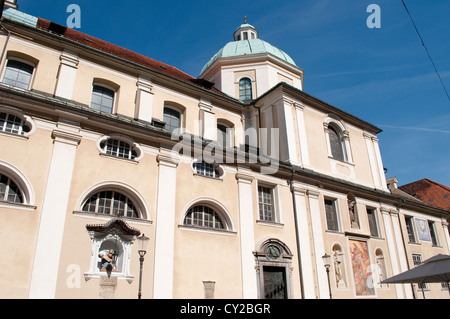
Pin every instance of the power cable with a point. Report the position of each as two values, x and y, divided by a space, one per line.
428 53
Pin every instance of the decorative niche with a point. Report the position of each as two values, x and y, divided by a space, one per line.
116 239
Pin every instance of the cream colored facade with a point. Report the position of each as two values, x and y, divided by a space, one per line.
51 243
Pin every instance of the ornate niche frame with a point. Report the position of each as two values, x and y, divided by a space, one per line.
273 255
116 235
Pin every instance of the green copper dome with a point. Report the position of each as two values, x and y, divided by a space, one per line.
247 47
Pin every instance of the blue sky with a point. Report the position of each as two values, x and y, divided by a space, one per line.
381 75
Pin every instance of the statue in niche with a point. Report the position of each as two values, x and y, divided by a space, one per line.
354 222
108 261
340 283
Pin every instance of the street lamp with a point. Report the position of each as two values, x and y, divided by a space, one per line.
142 243
327 263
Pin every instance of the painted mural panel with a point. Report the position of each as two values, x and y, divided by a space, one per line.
362 272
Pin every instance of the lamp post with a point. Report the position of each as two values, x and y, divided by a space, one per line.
142 242
326 262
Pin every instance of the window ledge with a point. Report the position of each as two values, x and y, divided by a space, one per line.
209 177
88 276
131 161
341 161
208 230
14 135
269 223
18 206
107 217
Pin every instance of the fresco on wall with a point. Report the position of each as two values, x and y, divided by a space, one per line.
362 273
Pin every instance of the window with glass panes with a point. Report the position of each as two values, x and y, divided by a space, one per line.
203 216
18 74
206 169
9 191
118 148
336 144
410 229
265 202
434 239
11 123
331 214
111 203
371 215
172 118
245 89
102 99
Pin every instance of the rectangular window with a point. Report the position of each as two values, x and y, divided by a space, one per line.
371 215
434 239
410 229
331 214
266 204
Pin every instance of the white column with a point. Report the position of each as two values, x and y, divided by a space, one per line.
247 236
66 75
304 153
305 243
385 212
165 226
372 160
319 246
144 99
54 209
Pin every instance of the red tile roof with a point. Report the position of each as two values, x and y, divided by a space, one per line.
429 192
123 53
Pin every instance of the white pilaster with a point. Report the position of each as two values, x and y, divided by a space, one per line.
144 99
305 243
54 209
208 128
400 249
319 246
392 247
287 132
446 234
165 226
247 236
380 165
372 160
66 75
304 153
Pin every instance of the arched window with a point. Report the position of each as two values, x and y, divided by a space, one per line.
245 89
118 148
172 118
206 169
203 216
336 144
102 98
11 123
18 74
10 191
111 202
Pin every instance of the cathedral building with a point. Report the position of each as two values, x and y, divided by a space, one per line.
241 184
